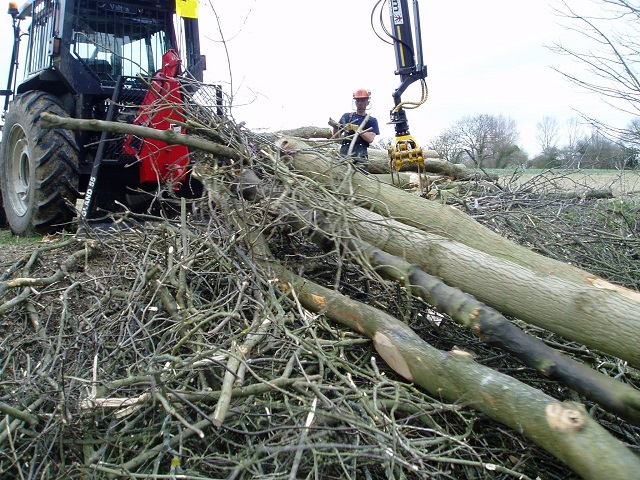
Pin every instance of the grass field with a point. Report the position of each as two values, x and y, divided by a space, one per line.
6 238
621 182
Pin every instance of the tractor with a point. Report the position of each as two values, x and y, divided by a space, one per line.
132 61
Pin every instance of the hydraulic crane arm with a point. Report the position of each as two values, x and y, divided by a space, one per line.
408 51
410 68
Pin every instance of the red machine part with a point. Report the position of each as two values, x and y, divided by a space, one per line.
161 109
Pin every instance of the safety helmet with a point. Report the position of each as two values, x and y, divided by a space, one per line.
362 93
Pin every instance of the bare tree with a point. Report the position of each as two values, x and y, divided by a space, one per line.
611 67
574 130
598 151
574 134
447 146
488 140
631 137
547 133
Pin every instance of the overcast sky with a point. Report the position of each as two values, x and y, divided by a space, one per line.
301 64
296 63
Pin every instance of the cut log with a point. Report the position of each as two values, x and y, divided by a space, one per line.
379 163
613 395
512 279
169 136
564 429
306 132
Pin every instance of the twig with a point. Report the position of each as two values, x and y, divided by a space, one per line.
235 357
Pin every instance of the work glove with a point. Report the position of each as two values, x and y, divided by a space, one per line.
350 128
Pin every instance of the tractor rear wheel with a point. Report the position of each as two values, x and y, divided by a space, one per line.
38 167
3 216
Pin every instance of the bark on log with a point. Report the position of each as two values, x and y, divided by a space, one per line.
306 132
506 276
591 193
379 159
169 136
564 429
379 163
555 304
491 327
614 396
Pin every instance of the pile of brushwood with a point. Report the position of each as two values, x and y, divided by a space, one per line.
305 320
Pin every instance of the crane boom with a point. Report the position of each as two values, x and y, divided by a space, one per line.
408 52
410 67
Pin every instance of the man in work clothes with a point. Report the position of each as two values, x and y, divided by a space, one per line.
350 123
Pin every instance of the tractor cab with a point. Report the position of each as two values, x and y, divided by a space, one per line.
90 43
132 61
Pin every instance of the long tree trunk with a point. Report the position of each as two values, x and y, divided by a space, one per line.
564 429
489 325
506 276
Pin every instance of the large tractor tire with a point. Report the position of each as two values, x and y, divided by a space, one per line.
38 168
3 216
